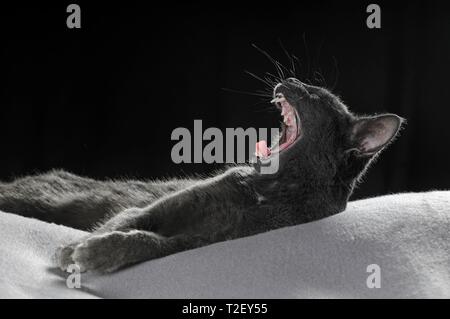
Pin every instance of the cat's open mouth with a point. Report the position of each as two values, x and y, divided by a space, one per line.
290 129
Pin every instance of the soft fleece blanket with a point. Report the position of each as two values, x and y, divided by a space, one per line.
406 235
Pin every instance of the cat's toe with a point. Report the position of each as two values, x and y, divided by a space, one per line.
63 256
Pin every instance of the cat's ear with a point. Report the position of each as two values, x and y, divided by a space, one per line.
371 134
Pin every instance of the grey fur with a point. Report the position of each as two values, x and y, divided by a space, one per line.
133 221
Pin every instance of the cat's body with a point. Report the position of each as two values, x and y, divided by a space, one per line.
137 221
79 202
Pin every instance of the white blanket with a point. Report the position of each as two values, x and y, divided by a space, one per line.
406 235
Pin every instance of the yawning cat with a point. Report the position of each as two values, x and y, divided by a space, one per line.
322 151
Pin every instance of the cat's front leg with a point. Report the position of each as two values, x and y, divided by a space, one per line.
109 234
111 251
210 210
119 224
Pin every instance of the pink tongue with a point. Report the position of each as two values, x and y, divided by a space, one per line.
261 149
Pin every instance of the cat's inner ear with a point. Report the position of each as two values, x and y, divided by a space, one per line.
370 134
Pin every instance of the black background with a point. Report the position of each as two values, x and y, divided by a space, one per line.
103 100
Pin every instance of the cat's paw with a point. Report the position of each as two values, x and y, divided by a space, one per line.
63 256
100 253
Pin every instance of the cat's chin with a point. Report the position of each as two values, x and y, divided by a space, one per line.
290 129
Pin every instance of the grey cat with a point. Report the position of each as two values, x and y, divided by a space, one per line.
322 152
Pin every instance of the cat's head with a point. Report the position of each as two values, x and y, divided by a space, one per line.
322 142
